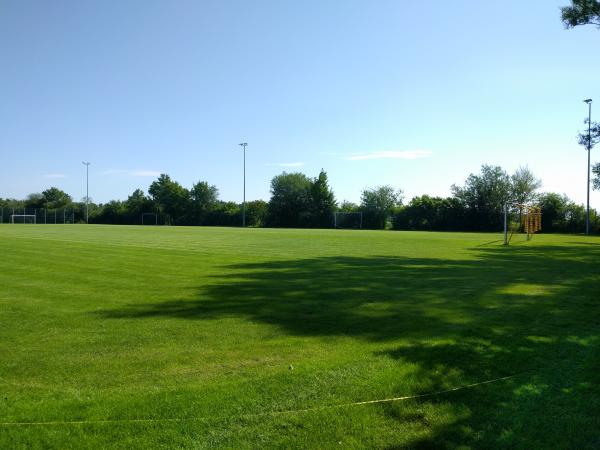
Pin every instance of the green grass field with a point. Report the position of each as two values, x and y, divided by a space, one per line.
132 337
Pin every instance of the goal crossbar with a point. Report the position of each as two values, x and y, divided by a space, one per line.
155 215
12 217
341 214
530 219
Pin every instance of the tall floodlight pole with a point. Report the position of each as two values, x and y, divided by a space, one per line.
589 149
244 145
87 190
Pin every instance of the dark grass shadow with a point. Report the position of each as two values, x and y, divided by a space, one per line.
374 297
507 310
490 243
384 297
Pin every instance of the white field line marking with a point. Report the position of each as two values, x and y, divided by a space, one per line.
269 413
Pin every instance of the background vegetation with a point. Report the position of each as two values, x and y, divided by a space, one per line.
298 201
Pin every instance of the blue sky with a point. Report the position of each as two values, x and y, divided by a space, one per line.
412 94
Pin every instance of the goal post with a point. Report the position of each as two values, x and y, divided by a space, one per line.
343 219
38 216
149 219
26 218
528 221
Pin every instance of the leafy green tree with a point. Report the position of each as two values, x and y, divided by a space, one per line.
79 211
256 213
524 185
348 206
55 198
204 198
581 12
227 214
322 201
172 199
290 201
430 213
591 137
484 196
137 204
553 208
421 213
377 205
574 218
35 200
114 212
596 172
562 215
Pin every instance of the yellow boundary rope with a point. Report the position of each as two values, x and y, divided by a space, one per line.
290 411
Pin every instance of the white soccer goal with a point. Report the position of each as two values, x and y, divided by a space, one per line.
149 219
347 219
521 218
26 218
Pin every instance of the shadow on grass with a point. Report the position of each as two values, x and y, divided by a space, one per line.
504 311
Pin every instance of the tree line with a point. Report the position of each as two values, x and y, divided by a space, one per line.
299 201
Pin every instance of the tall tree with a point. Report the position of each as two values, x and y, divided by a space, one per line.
171 197
322 200
484 196
137 204
378 204
256 213
348 206
55 198
591 137
113 212
524 185
289 205
204 198
554 208
35 200
581 12
430 213
596 172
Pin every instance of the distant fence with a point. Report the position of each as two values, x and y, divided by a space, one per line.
37 215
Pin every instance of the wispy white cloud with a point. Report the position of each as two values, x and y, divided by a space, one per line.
113 172
132 173
55 175
390 154
290 164
145 173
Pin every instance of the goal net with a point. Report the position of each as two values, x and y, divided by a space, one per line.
521 219
149 219
23 218
347 220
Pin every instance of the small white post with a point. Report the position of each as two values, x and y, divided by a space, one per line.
505 224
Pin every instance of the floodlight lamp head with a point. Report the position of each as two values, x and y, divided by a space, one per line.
588 101
243 144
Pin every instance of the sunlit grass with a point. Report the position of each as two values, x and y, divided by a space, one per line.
234 333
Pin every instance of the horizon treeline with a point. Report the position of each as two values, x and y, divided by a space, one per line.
299 201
